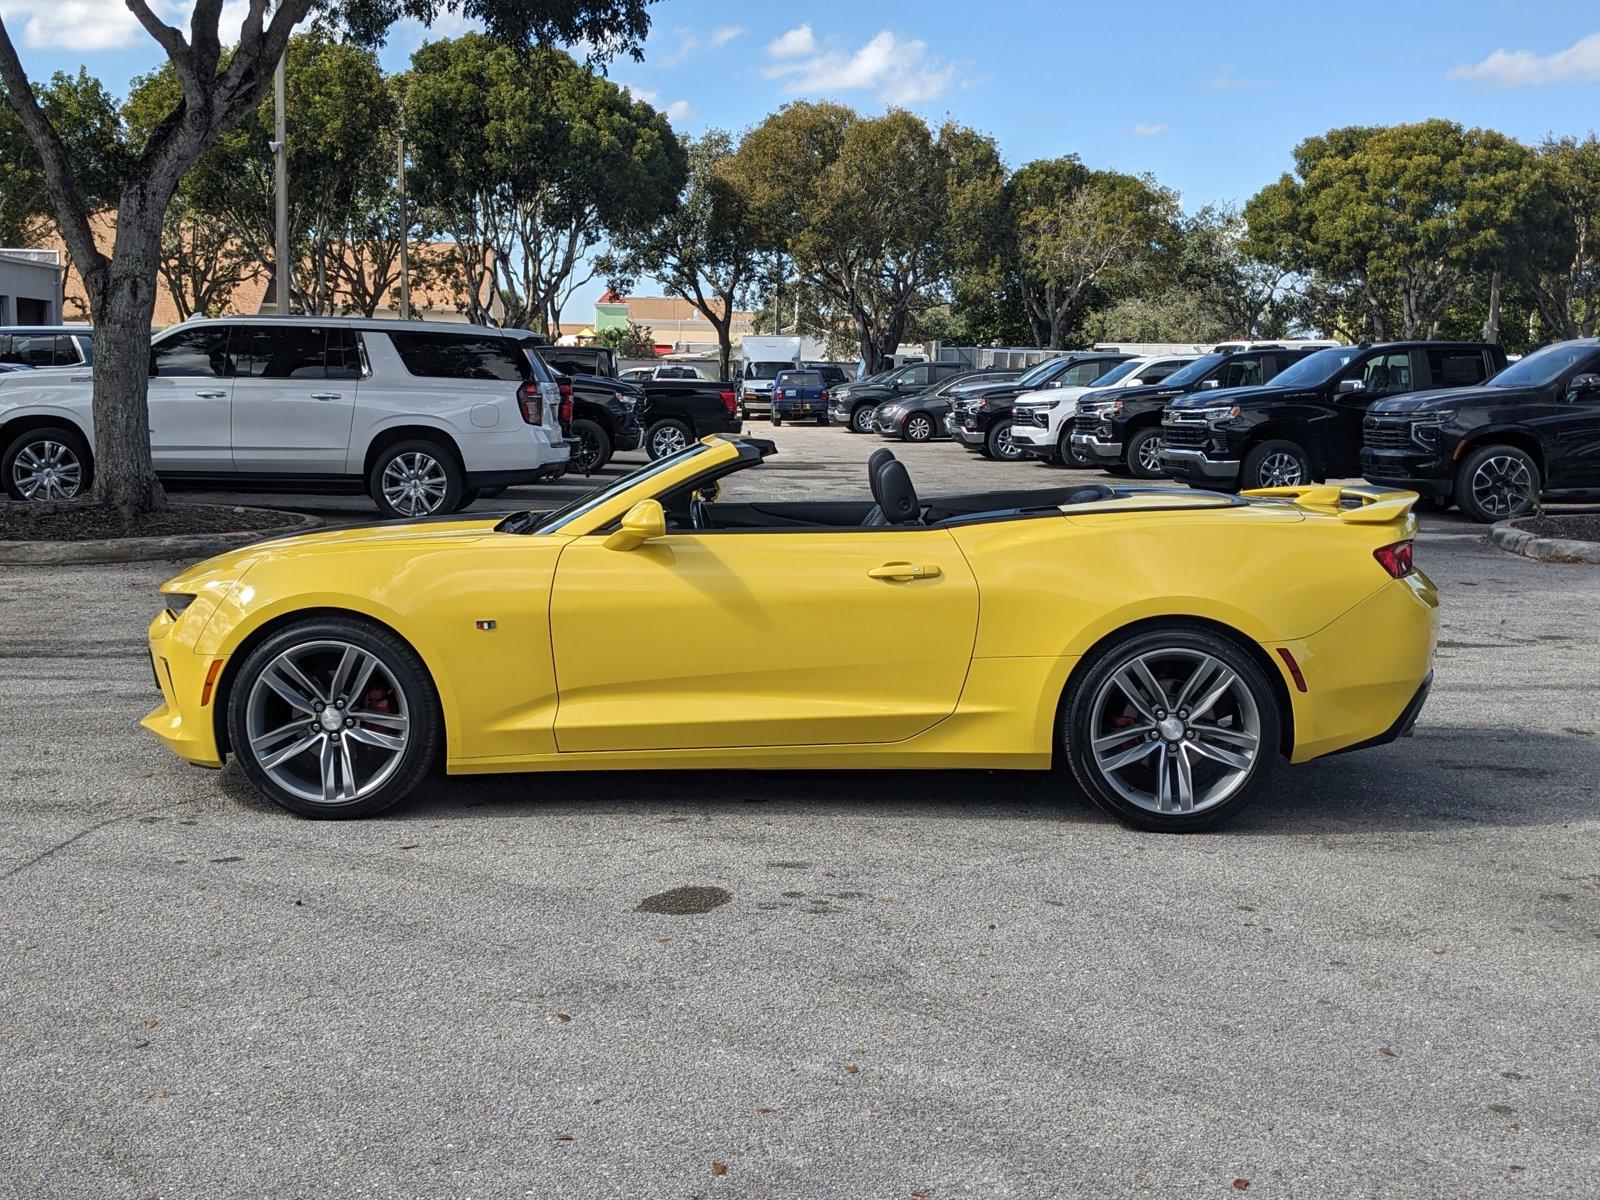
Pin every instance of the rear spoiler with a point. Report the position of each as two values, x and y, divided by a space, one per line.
1353 504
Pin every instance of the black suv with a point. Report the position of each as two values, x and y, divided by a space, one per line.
1121 430
1495 448
1306 424
981 421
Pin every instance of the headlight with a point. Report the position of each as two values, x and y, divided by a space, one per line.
175 602
1427 432
1217 416
1118 405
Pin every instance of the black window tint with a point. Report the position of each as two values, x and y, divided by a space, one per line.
461 356
284 352
1456 368
803 379
34 350
916 376
200 353
1239 372
1086 373
1156 372
1387 374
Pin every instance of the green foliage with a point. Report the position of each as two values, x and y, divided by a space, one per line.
629 341
91 125
529 161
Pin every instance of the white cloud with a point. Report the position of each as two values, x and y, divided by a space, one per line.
1226 81
797 42
90 25
1144 130
897 70
723 34
679 112
1578 63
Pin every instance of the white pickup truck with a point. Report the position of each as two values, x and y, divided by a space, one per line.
1041 422
419 416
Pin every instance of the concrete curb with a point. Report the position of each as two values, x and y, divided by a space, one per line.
143 549
1530 545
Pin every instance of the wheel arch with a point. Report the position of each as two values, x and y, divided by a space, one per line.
1256 651
390 435
237 654
1522 439
14 427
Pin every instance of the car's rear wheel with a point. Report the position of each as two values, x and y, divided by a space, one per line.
776 419
1275 463
667 436
1496 483
1000 445
861 418
334 717
1171 729
48 463
592 446
416 479
1144 454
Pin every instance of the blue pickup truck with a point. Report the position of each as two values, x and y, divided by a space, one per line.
797 394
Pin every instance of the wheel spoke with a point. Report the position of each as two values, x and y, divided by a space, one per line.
349 783
338 689
1197 680
1206 746
1115 762
278 757
1219 688
1121 735
373 736
1183 778
291 684
329 765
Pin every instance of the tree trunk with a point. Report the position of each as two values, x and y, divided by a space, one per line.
1491 323
123 297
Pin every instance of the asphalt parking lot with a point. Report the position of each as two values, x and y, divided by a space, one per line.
1380 981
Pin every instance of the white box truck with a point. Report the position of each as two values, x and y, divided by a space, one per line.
764 356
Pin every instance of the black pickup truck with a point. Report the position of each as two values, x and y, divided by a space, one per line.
1306 424
981 421
1497 448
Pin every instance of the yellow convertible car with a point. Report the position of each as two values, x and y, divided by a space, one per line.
1170 647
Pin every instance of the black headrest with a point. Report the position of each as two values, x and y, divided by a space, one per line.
891 488
879 457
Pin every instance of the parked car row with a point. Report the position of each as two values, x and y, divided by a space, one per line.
1454 421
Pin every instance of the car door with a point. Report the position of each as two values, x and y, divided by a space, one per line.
1573 432
191 384
1382 373
293 398
701 640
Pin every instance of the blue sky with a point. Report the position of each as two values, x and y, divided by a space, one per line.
1211 99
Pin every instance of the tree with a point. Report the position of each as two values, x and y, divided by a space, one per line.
1563 275
1398 218
630 341
218 91
1235 294
202 261
87 113
1080 232
707 251
870 210
530 162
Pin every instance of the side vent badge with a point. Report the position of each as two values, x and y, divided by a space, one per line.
484 625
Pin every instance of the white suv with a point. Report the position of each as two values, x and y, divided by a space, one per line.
420 416
1041 422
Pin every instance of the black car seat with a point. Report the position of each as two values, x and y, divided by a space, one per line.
897 499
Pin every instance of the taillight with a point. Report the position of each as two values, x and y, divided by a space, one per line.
1395 559
824 393
729 400
531 403
565 410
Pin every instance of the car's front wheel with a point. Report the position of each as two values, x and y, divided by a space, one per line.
1276 463
334 717
861 418
48 463
416 479
1144 454
1000 445
918 428
1172 728
1069 454
1496 483
667 436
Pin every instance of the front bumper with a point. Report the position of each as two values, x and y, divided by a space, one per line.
1426 474
1095 450
1193 466
970 436
756 402
182 723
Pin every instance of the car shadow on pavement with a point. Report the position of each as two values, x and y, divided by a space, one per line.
1449 777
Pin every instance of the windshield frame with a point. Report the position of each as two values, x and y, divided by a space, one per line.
1286 377
1046 369
554 522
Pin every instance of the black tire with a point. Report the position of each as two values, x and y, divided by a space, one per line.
1271 463
470 496
1138 450
435 463
822 421
1093 695
421 731
998 444
1066 456
918 428
1497 483
593 446
776 419
667 436
861 418
56 464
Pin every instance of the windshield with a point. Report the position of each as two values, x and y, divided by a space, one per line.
1040 372
1316 368
1194 372
550 522
766 370
1122 371
1543 366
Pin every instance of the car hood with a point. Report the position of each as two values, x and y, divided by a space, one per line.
1241 396
1446 399
1147 391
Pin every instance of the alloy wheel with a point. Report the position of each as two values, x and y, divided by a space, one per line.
415 484
669 439
1005 447
327 722
47 470
1175 731
1501 485
1281 470
1150 456
862 418
588 453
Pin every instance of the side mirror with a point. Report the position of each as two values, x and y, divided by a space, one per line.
1586 384
1346 386
1209 385
644 521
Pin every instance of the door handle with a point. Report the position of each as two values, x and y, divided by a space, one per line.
904 570
212 395
327 395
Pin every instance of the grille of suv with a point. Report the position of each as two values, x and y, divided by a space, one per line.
1086 422
1186 439
1032 416
1387 435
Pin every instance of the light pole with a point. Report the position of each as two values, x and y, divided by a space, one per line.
280 176
405 229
